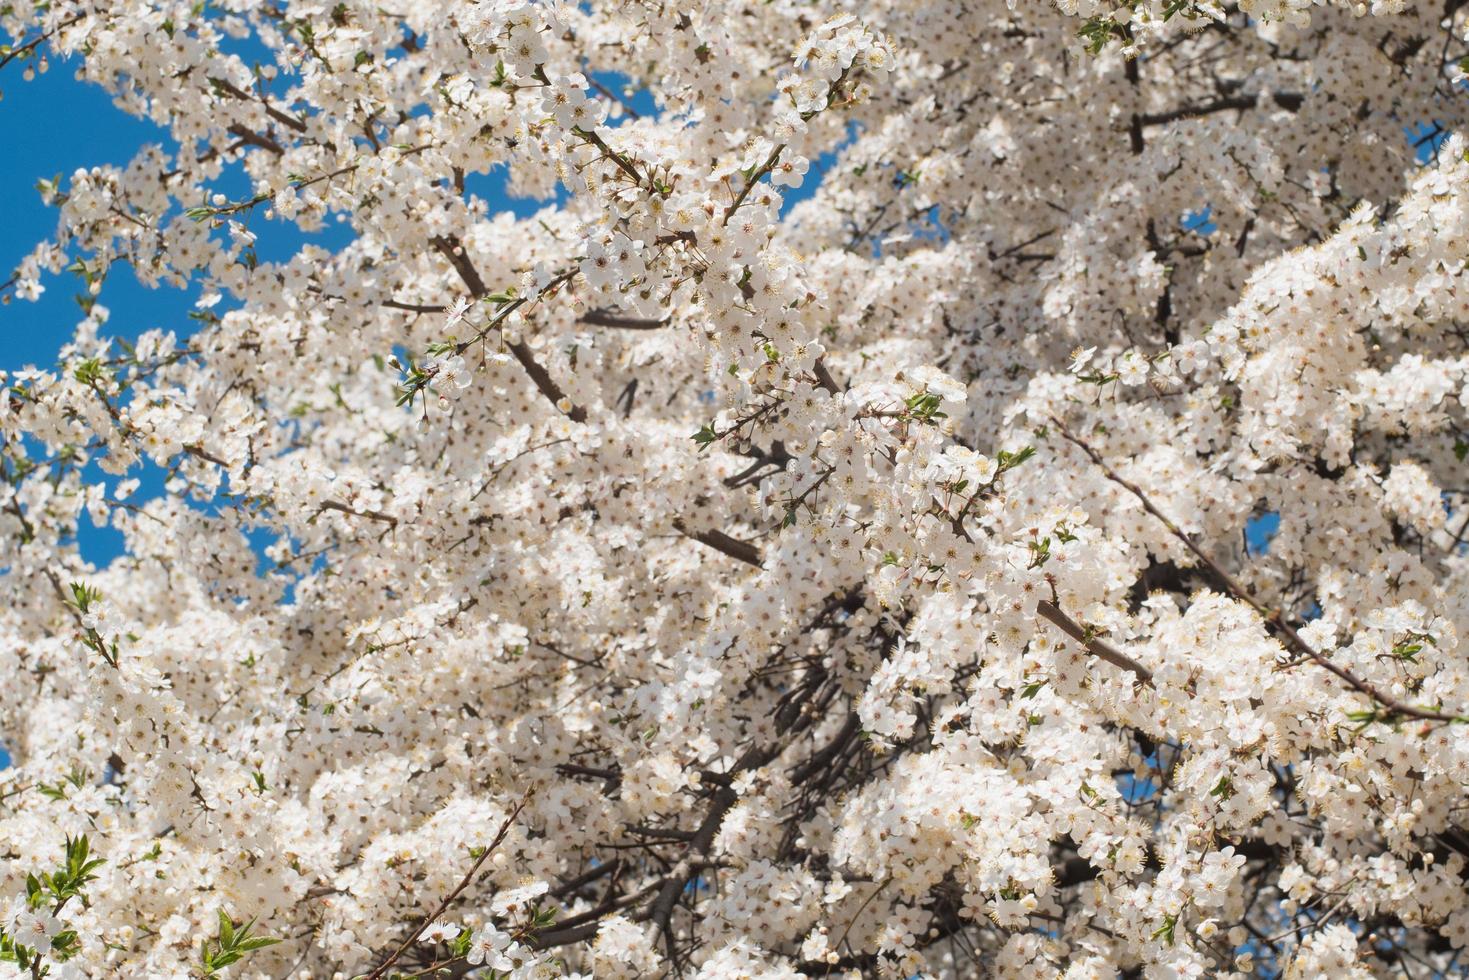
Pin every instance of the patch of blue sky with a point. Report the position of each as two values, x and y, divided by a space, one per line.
1259 530
1426 139
1136 791
1200 221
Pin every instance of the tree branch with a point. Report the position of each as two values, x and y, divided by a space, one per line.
1273 617
1095 646
605 318
450 898
721 542
453 250
248 135
372 515
1285 100
285 119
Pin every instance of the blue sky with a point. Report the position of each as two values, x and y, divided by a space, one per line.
59 124
56 124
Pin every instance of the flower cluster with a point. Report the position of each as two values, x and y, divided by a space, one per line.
936 488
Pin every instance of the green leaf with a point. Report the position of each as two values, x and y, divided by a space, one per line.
256 942
1362 718
1098 32
231 944
705 437
1008 461
83 595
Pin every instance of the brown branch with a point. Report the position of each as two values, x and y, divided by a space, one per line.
777 458
622 162
671 834
613 777
818 761
604 318
661 912
580 928
27 529
544 381
626 106
283 118
739 550
453 250
1273 618
393 304
450 898
572 885
576 929
1098 648
372 515
248 135
824 378
252 202
25 48
792 712
200 453
1285 100
1135 121
754 179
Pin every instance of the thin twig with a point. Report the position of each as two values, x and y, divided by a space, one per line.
453 250
372 515
626 106
28 46
452 896
1273 617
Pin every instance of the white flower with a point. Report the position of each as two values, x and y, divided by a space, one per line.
789 172
930 379
451 373
600 265
696 562
457 311
31 927
517 900
486 946
1132 369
